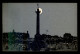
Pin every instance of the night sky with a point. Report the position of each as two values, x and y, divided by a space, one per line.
57 18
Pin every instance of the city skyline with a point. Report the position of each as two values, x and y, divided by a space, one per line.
57 18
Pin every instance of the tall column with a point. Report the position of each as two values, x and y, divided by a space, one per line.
38 22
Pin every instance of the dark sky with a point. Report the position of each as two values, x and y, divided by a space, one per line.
57 18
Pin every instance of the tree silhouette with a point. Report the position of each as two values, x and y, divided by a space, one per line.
68 37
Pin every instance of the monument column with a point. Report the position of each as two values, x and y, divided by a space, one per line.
38 21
